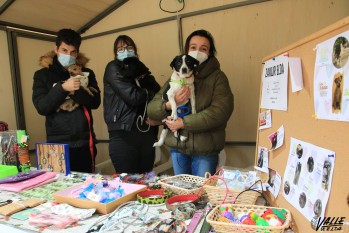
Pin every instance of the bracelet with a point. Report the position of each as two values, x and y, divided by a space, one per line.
184 212
158 196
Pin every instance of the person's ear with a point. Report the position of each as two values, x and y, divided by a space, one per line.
55 50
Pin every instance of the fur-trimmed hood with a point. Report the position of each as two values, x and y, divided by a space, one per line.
47 59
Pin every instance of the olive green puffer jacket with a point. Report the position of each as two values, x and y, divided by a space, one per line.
214 106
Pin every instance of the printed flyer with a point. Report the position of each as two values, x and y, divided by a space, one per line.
331 75
308 178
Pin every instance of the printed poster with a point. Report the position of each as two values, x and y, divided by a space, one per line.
308 178
331 79
274 83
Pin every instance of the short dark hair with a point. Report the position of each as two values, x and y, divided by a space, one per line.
69 37
202 33
128 40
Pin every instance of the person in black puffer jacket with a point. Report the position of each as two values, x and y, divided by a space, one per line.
128 87
52 87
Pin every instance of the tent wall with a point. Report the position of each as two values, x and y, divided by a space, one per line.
244 32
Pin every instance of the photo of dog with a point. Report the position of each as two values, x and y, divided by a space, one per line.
183 67
260 158
287 187
297 173
299 151
318 207
302 200
326 174
337 90
340 52
76 72
310 164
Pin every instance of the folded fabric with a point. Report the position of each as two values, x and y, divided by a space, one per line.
30 183
15 207
21 176
68 210
47 218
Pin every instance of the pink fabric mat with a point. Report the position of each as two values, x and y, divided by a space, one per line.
45 178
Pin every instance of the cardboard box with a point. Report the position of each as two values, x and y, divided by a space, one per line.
67 196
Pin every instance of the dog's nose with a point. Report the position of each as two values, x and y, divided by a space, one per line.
184 70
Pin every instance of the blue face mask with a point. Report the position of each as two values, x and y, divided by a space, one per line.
66 60
122 55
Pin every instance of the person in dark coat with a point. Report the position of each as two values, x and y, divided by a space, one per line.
128 87
53 87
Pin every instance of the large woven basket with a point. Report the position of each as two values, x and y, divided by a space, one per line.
218 195
223 227
185 178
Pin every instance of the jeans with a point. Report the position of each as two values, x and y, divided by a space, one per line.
196 165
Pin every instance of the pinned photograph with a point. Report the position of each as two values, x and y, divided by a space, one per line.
265 119
277 138
274 182
262 160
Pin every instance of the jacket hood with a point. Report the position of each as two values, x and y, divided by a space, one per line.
47 59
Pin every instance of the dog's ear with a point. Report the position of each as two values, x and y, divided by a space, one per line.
192 61
173 63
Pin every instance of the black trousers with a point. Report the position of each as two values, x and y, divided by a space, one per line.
81 160
133 151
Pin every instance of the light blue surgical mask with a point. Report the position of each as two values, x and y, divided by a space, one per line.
66 60
126 53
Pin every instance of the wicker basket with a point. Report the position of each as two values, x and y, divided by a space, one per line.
185 178
223 227
216 195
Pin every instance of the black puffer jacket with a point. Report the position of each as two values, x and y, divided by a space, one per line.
48 94
123 98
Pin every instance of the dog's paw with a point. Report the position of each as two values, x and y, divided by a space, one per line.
156 144
183 138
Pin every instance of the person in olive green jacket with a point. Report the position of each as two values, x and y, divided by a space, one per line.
214 105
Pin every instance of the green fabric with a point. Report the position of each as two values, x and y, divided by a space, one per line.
214 106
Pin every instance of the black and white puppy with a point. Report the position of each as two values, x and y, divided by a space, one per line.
183 66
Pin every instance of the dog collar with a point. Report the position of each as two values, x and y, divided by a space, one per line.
180 81
158 196
178 200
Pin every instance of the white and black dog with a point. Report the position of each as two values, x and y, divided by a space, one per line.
183 66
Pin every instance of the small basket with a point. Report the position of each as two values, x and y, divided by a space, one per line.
223 227
216 195
186 178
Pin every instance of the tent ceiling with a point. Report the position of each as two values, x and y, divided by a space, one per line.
49 16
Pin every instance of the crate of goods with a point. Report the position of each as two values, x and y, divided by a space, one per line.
264 219
183 184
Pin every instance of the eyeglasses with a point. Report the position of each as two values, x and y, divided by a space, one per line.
128 48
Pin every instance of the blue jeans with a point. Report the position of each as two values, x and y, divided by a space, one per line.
196 165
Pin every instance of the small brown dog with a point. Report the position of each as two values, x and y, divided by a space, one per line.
76 72
337 94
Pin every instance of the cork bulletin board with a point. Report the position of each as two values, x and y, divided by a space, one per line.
301 122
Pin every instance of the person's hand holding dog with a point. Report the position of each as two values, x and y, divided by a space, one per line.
71 85
174 125
181 96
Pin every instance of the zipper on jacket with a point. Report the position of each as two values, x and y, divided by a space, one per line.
114 118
